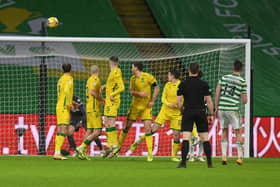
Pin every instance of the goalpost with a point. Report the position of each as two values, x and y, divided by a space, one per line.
30 68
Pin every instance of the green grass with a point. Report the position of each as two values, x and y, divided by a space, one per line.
43 171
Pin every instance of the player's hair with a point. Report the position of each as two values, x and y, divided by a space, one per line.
194 67
237 66
66 68
175 73
138 65
94 69
114 59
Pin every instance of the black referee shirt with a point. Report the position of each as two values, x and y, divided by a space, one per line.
193 89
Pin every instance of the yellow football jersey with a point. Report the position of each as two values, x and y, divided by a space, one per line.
142 83
92 105
65 87
169 95
114 85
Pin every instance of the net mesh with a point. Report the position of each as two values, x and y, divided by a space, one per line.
20 82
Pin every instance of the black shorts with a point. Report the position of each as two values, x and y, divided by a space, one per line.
194 116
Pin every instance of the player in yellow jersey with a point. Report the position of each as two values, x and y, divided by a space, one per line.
93 111
169 112
64 104
114 86
141 84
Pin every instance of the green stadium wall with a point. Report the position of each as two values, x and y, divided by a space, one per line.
229 19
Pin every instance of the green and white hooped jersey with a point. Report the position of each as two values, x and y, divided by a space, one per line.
232 86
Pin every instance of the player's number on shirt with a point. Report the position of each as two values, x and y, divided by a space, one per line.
229 90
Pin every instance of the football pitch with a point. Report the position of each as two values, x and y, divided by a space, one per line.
43 171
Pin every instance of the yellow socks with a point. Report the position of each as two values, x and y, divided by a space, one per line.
115 136
59 140
149 143
109 137
112 137
175 148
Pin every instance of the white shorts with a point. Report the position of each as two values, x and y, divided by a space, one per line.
229 118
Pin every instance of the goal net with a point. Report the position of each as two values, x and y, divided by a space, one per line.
31 66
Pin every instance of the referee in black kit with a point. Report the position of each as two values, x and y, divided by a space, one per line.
196 93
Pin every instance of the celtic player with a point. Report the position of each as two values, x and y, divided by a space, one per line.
114 86
229 90
93 111
63 106
141 84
